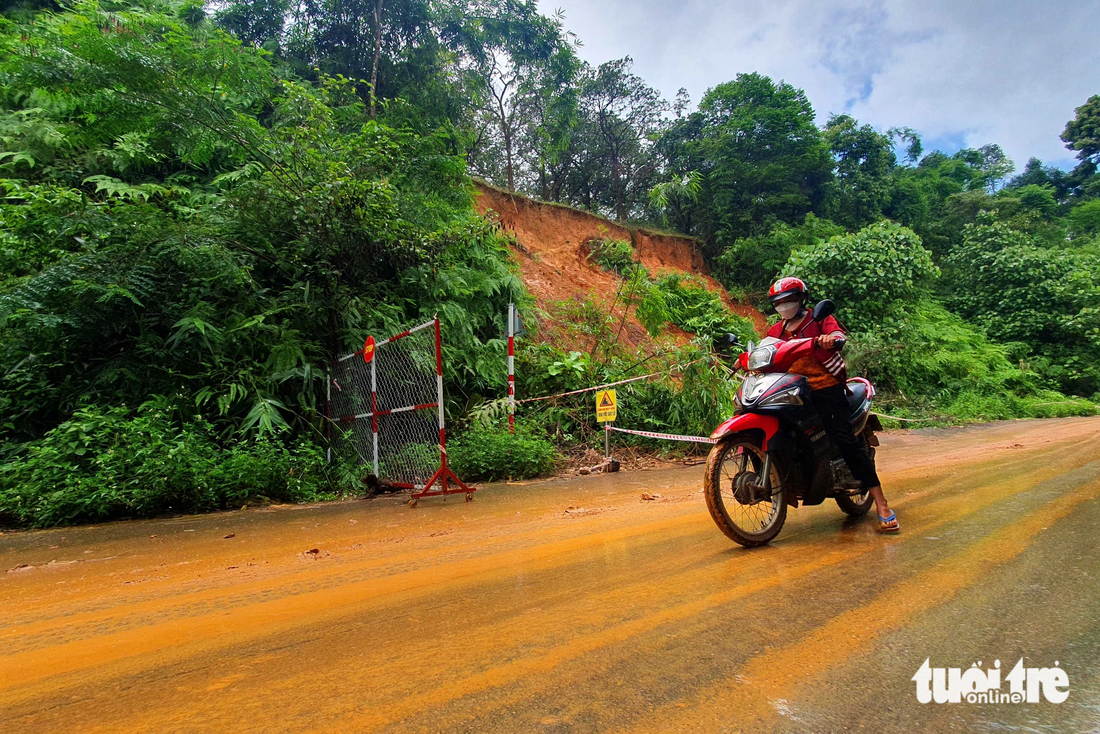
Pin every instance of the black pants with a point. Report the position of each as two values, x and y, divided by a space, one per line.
832 405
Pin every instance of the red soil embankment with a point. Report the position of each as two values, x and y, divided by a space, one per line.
554 264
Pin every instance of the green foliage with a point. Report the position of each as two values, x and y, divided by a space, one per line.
692 400
920 348
1048 300
1082 133
694 308
1037 199
928 361
1084 219
104 464
761 157
860 188
236 233
212 208
492 453
754 263
573 363
868 273
610 254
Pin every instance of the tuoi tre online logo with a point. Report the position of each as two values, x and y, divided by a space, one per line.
974 685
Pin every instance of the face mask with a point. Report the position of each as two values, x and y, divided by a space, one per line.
788 310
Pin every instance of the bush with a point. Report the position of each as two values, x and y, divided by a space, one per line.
926 350
115 463
867 273
492 453
612 255
752 263
927 360
1046 299
693 308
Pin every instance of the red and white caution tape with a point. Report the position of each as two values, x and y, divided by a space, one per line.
665 436
607 385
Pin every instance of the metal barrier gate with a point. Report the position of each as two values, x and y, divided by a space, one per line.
386 400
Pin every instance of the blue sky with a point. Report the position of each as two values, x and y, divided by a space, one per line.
959 72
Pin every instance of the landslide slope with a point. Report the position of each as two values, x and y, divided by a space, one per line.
551 243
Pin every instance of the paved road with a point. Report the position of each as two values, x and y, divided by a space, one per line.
574 605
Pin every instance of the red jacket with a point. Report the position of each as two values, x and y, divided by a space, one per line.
830 359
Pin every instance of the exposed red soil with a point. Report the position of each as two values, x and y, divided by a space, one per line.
553 259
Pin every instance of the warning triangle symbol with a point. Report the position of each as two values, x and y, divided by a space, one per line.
606 402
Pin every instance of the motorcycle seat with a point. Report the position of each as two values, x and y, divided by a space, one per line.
857 394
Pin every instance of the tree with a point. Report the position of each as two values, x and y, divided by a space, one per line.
762 159
753 263
1084 219
1035 173
1082 133
518 59
212 234
942 193
865 158
625 114
259 23
392 49
549 115
988 165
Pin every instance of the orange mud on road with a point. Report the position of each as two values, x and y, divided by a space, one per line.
573 605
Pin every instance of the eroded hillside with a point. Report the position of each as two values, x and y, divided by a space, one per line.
552 251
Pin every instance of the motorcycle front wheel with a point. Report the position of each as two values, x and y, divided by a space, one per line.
744 512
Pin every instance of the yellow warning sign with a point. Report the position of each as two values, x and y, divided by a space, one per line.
606 405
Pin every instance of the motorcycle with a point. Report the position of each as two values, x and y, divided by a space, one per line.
774 452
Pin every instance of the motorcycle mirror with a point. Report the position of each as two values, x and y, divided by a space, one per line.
823 309
733 340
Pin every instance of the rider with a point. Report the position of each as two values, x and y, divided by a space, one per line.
827 375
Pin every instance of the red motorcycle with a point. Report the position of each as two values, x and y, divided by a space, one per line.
774 451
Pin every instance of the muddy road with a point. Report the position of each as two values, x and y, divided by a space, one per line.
574 605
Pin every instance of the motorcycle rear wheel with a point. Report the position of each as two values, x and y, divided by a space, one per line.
743 515
857 505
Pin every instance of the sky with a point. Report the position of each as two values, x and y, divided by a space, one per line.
962 73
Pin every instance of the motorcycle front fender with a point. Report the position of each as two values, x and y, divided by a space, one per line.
767 424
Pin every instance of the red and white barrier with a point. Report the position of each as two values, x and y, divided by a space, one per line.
609 384
663 436
398 385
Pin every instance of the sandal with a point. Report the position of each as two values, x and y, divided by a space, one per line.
888 524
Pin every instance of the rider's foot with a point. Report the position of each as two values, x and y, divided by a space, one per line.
888 523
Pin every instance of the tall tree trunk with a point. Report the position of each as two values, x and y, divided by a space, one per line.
620 193
508 157
377 53
506 130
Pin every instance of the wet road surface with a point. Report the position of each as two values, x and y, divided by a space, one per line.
574 606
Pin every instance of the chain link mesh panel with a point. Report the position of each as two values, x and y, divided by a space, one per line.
408 447
405 370
396 425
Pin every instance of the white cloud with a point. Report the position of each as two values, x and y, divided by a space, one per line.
968 71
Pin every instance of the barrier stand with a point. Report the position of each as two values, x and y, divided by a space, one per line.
511 368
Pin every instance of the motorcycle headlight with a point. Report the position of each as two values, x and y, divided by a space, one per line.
761 357
752 388
786 397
